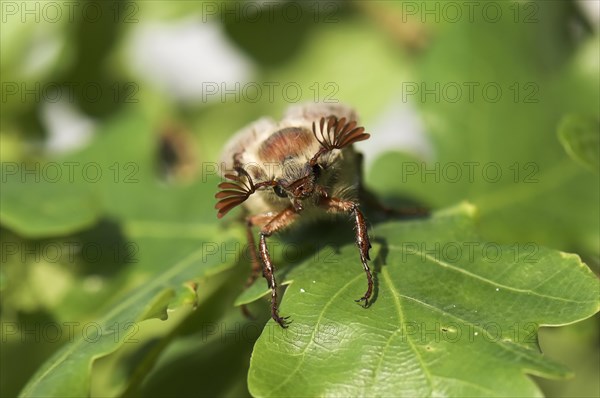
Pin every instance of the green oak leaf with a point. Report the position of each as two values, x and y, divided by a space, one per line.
453 315
68 372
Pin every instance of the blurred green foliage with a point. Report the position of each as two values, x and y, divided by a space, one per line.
90 261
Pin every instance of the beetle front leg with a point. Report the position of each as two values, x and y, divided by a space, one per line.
363 243
362 237
280 221
251 221
269 274
259 220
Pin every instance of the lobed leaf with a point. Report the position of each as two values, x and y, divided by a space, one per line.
443 313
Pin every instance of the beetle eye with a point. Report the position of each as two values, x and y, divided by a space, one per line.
316 169
279 191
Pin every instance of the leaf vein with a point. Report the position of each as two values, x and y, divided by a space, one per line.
395 296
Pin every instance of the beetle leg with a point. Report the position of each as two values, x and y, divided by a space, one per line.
277 223
362 237
251 221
